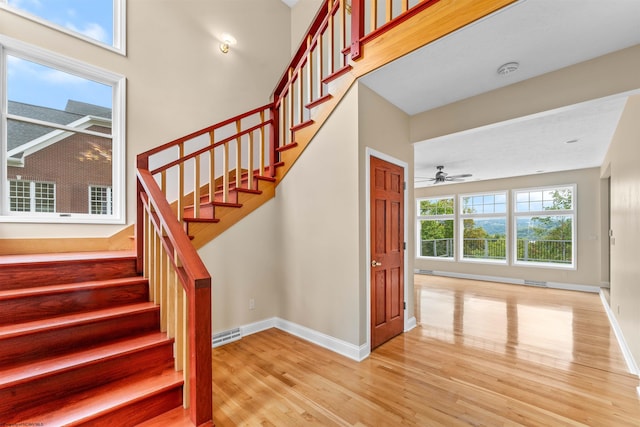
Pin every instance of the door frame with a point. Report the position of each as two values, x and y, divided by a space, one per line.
370 152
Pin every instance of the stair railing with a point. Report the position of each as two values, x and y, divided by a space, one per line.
202 167
205 166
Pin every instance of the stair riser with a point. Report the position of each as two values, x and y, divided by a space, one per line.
136 412
37 307
42 390
37 274
23 348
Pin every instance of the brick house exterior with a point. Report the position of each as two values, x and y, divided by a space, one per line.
72 162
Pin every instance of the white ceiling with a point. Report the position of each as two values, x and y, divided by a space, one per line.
542 36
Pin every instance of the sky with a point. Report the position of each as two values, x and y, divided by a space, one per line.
36 84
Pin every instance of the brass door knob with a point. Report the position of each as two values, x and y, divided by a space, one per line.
375 263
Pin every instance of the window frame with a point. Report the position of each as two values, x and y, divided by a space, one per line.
443 217
462 216
119 26
28 52
573 213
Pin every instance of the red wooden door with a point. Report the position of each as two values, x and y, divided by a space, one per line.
387 251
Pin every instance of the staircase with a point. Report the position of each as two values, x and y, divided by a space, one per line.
80 343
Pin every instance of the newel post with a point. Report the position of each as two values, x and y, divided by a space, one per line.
201 374
357 27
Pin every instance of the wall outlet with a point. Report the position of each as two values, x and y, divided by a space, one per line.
252 303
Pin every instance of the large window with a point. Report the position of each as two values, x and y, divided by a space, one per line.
98 21
483 219
436 218
64 124
544 220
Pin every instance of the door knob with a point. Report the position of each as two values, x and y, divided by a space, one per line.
375 263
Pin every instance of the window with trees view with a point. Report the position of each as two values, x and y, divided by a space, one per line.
483 220
544 226
436 218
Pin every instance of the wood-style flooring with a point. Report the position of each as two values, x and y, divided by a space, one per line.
483 354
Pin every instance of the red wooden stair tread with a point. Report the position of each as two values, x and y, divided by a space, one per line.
58 289
83 407
46 367
74 319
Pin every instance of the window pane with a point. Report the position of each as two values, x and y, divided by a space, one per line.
484 238
30 85
62 163
20 197
436 238
93 19
547 239
538 200
432 207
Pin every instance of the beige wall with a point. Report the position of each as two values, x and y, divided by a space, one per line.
622 163
301 15
588 231
245 263
318 207
178 81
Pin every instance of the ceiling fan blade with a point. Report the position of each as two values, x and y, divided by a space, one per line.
464 175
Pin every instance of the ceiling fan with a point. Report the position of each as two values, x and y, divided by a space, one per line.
442 176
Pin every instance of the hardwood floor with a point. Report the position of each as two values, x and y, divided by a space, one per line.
483 354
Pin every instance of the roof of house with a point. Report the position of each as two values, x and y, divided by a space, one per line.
20 133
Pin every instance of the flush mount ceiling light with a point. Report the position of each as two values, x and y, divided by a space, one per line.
225 44
508 68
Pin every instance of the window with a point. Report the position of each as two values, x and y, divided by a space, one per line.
436 218
100 200
544 221
31 196
98 21
64 124
483 219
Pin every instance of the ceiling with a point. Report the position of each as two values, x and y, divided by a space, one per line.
542 36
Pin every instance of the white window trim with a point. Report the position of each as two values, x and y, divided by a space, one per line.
436 218
119 26
9 46
574 235
462 216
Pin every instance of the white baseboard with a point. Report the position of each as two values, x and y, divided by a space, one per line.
512 281
626 352
344 348
411 323
357 353
352 351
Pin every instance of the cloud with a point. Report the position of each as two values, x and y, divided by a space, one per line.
18 67
25 4
91 30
